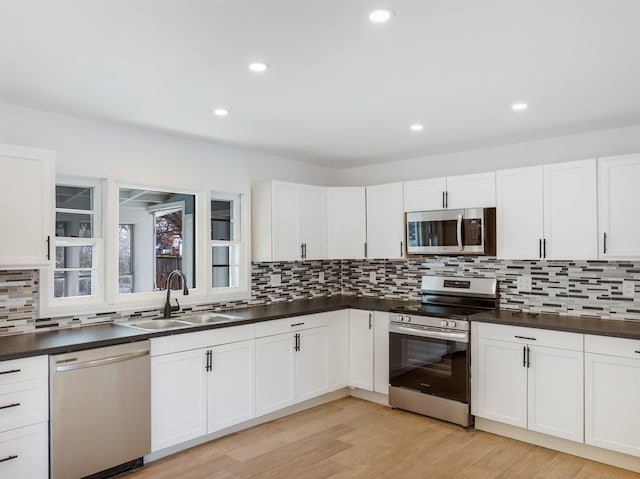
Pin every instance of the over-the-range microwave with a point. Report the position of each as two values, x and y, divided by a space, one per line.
455 232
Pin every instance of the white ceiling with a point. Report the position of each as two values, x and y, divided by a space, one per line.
341 91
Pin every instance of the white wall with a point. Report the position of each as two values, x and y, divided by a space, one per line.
582 146
93 148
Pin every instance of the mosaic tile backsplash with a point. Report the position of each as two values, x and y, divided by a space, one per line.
577 288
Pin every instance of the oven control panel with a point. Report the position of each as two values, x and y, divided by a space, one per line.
428 321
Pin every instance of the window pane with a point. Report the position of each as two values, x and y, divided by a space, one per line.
74 197
74 225
72 283
74 256
225 269
164 239
222 220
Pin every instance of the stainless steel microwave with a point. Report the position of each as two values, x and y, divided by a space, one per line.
467 231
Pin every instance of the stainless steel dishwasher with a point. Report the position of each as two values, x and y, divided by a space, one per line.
100 410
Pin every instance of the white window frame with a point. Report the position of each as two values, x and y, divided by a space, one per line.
50 306
241 235
106 220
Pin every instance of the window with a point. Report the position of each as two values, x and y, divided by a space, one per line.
226 242
75 272
156 234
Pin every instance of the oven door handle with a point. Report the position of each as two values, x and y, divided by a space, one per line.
462 337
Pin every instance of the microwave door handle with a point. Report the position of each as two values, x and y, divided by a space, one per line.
459 235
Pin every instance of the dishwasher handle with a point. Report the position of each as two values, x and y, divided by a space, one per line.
102 361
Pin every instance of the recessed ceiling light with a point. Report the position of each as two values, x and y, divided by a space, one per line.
258 67
220 112
519 106
416 127
380 16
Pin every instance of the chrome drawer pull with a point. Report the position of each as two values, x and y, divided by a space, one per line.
9 458
525 337
11 371
297 324
15 404
637 352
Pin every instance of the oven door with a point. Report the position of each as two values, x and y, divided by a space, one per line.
431 361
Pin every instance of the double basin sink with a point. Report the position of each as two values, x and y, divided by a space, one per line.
183 322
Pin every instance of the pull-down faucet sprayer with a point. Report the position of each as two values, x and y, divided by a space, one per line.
168 309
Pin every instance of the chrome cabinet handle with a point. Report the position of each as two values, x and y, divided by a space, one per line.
15 404
605 243
11 371
297 324
401 249
443 206
370 318
525 337
8 458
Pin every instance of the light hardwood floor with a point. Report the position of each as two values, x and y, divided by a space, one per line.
352 438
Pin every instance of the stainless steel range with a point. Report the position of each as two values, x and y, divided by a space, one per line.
429 347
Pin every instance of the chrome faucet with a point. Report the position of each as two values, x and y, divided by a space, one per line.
168 309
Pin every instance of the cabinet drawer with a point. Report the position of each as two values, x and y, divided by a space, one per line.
201 339
24 452
621 347
23 403
295 323
23 369
540 337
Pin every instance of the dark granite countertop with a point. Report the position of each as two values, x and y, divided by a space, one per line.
573 324
86 337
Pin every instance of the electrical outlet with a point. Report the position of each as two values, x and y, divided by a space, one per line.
276 280
372 277
321 276
628 289
523 283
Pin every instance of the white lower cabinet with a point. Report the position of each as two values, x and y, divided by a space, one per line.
369 350
24 412
292 366
529 378
339 349
201 390
612 393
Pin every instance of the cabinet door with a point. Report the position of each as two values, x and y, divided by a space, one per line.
312 363
27 186
361 349
612 389
274 373
425 195
555 392
570 210
346 211
231 385
24 452
339 349
618 200
499 381
471 191
312 217
286 230
385 221
178 398
519 212
381 352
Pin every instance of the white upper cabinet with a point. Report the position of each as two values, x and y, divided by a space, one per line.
425 195
618 200
548 212
385 221
288 221
463 191
27 185
347 229
471 191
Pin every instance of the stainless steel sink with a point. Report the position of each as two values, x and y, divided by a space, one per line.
208 318
157 324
